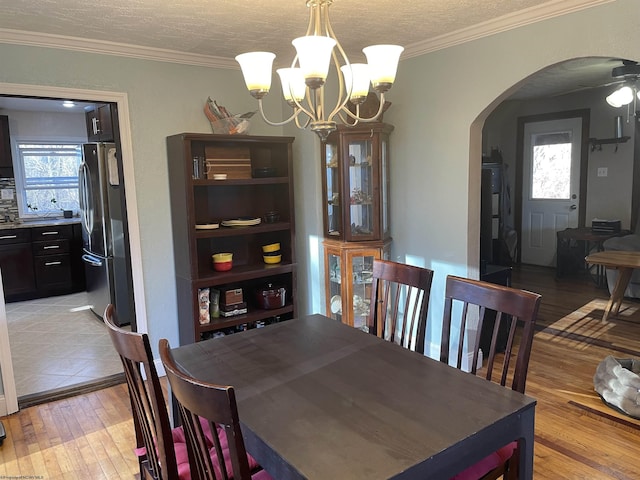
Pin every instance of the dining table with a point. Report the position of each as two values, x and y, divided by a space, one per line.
318 399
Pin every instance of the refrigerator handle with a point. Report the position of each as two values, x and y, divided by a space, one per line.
86 215
91 260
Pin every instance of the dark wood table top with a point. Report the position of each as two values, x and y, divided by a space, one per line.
320 400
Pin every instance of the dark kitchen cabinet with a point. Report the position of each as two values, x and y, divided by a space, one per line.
52 261
41 261
101 122
16 264
6 161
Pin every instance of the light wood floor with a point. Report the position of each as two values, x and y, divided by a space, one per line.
577 436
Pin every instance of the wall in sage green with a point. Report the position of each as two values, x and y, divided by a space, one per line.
164 99
440 101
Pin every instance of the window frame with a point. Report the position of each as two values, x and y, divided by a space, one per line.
18 171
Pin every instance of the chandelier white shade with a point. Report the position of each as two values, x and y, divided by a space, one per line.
303 84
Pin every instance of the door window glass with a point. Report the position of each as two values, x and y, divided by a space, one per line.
551 166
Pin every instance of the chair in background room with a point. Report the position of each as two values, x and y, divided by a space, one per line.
518 308
201 403
399 303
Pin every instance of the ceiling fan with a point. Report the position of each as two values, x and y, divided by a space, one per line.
628 75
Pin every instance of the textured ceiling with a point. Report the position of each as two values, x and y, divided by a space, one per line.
225 28
221 29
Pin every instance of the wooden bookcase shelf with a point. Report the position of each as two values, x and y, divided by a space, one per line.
204 201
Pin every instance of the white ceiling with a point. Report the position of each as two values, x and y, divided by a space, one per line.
216 30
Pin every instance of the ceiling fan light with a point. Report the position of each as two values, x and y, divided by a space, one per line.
383 65
314 55
293 86
622 96
256 69
356 80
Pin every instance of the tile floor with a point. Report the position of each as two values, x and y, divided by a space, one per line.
55 343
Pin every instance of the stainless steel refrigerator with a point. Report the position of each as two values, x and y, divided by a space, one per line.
105 252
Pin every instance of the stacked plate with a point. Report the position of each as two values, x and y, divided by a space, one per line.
241 222
207 226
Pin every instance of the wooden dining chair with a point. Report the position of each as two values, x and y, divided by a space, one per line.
519 309
201 403
399 303
154 439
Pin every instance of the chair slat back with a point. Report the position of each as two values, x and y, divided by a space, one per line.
514 306
150 416
200 401
399 303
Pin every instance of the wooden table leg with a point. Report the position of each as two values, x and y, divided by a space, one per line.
624 275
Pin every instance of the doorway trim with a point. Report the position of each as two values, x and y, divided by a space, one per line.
585 115
121 99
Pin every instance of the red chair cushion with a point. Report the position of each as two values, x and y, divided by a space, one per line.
182 456
484 466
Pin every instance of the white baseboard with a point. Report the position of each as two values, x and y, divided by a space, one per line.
3 406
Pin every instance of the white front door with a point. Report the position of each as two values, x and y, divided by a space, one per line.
550 186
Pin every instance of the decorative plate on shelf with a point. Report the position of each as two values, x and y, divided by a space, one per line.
241 222
336 304
207 226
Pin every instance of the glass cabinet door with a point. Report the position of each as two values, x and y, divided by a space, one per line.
362 274
334 292
361 214
333 215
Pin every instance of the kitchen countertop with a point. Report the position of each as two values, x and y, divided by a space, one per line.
41 222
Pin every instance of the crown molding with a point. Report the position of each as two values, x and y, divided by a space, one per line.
35 39
551 9
554 8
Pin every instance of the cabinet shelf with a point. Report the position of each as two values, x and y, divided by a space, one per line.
206 182
253 315
239 231
596 143
241 273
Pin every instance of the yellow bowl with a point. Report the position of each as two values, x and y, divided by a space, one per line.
272 258
272 247
222 257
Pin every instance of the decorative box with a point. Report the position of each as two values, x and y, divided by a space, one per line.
230 297
234 162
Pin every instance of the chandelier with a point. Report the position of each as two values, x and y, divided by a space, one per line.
303 83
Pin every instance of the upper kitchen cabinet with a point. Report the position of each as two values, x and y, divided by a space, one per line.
6 161
101 120
355 183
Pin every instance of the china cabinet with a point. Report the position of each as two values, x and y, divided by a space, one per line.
355 183
254 196
348 278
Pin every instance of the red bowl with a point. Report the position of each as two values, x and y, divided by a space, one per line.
222 266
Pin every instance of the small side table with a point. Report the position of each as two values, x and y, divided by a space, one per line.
574 244
625 262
